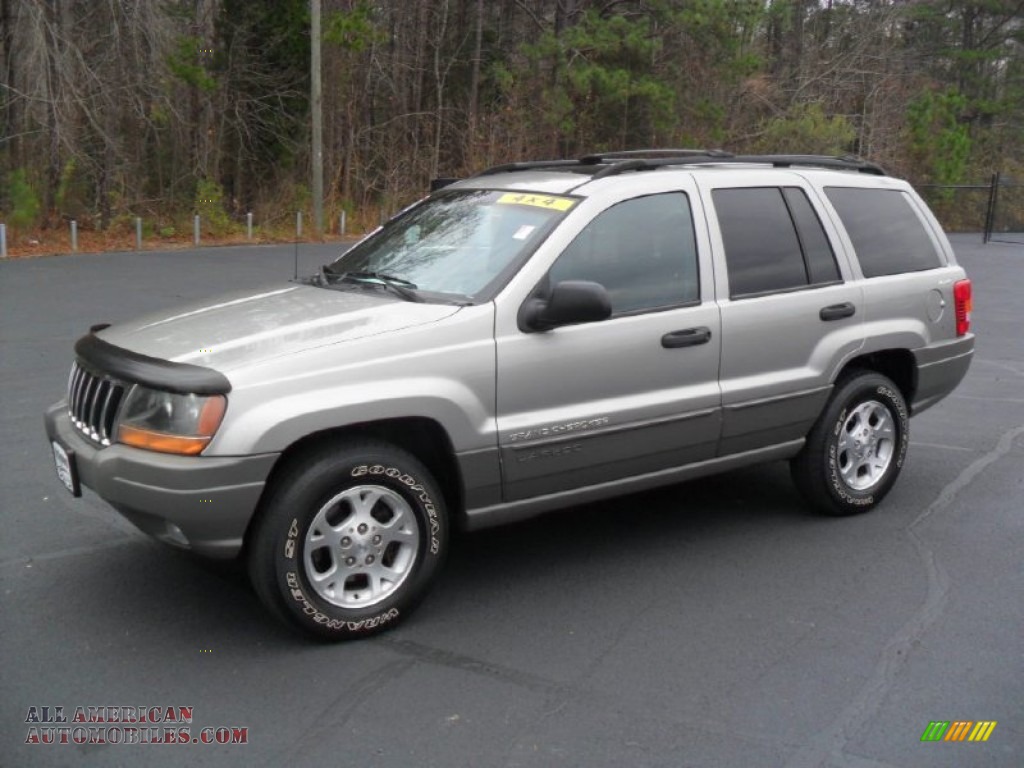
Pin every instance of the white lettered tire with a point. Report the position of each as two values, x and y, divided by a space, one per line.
348 539
856 449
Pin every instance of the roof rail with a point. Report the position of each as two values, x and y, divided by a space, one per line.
614 163
641 153
531 165
598 158
843 163
719 157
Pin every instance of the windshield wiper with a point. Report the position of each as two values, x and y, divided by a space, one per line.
397 285
324 276
328 278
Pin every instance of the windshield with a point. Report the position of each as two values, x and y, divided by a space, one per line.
456 243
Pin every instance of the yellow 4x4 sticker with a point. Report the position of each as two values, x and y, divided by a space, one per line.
540 201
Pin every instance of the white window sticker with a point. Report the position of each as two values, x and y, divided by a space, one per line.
523 232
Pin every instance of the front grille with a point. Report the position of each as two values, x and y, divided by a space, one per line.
93 402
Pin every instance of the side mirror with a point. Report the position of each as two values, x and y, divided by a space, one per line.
571 301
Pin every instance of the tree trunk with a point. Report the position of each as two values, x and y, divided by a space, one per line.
10 123
202 108
54 43
474 86
439 81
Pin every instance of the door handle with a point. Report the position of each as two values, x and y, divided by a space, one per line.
690 337
837 311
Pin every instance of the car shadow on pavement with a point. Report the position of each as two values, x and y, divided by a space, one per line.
657 528
174 592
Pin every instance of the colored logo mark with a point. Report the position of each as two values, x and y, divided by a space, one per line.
959 730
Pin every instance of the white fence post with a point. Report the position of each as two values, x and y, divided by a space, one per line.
298 224
138 233
248 225
341 224
74 236
195 229
3 241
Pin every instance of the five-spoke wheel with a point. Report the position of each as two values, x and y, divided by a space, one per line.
348 539
361 546
866 443
855 450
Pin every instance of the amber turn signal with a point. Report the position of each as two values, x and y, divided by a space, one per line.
159 441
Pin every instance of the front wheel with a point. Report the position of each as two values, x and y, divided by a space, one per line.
348 540
856 449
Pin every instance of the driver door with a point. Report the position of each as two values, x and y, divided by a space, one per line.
586 404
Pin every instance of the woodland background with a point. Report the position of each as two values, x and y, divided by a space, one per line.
111 109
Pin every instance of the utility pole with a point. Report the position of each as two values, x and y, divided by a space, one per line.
316 104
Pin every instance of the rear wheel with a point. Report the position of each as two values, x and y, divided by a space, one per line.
349 539
856 449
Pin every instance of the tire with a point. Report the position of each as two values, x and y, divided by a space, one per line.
348 540
856 449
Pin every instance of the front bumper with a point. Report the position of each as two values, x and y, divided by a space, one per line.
203 504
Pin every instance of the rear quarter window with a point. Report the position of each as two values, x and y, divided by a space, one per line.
762 251
886 232
773 241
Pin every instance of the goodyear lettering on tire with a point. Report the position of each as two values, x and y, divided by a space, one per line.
299 596
414 487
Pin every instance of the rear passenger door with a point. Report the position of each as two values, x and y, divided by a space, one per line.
790 311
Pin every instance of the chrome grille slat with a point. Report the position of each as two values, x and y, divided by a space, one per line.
71 379
83 399
115 409
98 396
77 402
76 394
93 402
105 422
83 393
87 392
76 405
72 383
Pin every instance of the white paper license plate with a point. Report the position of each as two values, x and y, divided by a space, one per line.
66 469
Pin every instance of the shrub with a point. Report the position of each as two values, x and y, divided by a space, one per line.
210 207
24 201
806 129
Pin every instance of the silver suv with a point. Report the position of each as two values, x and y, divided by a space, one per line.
541 335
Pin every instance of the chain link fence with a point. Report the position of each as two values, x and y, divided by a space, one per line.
958 207
1005 220
995 207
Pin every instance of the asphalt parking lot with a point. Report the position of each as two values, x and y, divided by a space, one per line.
714 623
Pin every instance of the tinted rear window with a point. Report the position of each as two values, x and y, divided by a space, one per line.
886 233
761 248
821 262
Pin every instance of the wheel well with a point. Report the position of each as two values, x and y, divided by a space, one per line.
897 364
423 438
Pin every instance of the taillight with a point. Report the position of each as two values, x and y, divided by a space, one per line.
963 302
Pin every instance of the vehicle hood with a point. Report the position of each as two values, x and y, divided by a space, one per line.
251 326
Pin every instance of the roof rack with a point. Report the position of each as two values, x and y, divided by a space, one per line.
532 165
842 163
642 153
614 163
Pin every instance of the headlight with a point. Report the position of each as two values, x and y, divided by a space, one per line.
169 422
